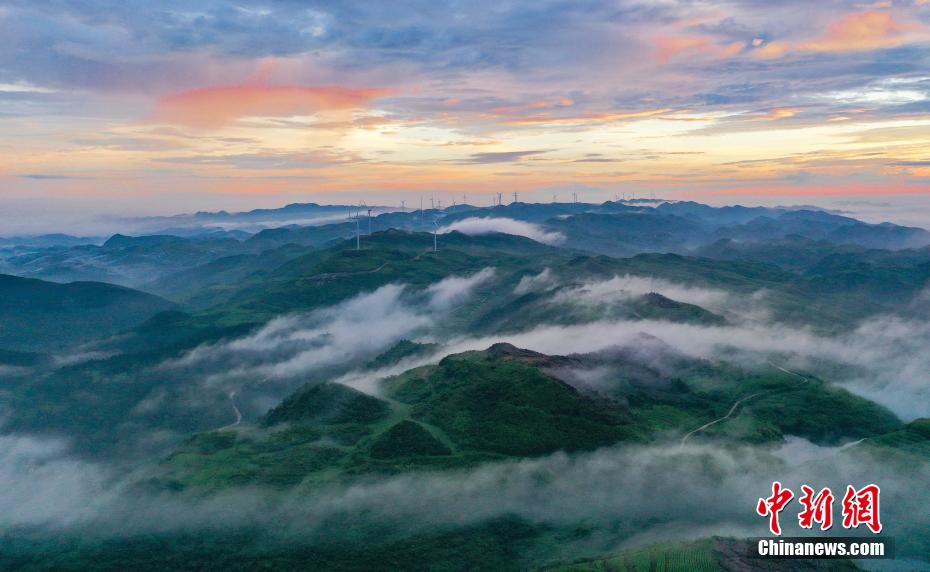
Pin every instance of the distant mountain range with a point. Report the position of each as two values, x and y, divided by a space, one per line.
612 228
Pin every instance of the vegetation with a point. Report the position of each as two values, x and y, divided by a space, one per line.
112 369
38 315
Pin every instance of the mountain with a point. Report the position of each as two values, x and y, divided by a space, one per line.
124 260
616 229
312 392
506 402
39 315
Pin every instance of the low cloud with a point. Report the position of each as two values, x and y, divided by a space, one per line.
330 340
624 288
454 290
537 282
476 225
294 345
662 490
888 364
40 485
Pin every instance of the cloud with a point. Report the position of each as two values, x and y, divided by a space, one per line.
885 353
857 32
625 288
260 161
23 87
772 50
663 490
293 345
590 118
218 106
452 291
862 31
330 340
542 281
52 177
501 157
505 225
41 485
668 47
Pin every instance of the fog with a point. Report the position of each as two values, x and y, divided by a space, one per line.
298 348
887 353
536 283
505 225
653 490
626 288
665 490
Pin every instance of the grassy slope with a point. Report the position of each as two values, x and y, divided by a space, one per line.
39 315
501 403
705 555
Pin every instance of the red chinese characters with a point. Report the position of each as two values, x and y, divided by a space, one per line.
817 508
773 505
861 507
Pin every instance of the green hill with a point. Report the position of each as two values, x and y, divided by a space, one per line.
46 316
706 555
506 402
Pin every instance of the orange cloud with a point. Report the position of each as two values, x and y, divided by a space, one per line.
863 31
781 113
599 117
560 101
772 50
670 46
220 105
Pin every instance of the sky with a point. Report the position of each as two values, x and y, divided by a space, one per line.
174 106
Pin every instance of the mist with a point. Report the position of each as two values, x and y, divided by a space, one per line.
488 225
665 490
311 347
657 492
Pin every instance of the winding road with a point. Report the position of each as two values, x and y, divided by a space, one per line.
232 400
742 400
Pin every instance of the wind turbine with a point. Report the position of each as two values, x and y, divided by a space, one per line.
515 196
369 221
358 232
435 234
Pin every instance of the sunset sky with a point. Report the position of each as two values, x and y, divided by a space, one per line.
176 105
